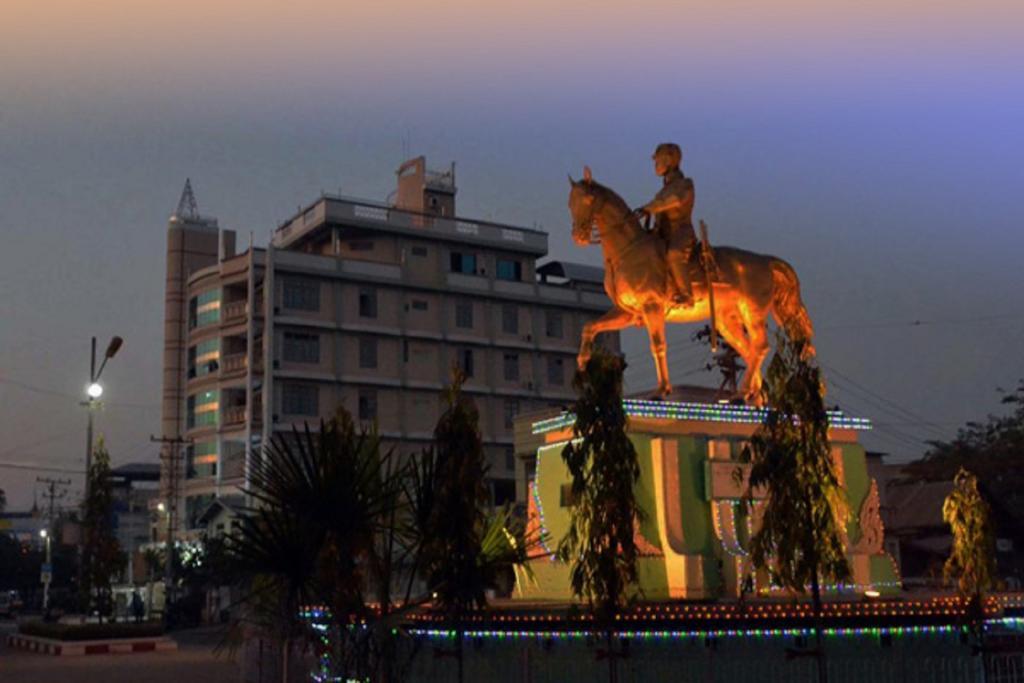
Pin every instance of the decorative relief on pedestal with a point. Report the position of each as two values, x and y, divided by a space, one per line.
872 532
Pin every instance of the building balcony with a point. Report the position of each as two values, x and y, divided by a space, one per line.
234 415
234 311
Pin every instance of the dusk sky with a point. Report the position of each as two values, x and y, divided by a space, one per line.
877 146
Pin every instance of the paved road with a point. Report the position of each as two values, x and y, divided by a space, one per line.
194 662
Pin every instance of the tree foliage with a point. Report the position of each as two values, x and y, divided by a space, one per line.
800 538
454 523
321 500
602 462
340 522
102 556
993 451
971 561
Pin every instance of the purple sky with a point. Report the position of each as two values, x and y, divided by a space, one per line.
876 148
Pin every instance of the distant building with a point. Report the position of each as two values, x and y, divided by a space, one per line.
134 486
367 306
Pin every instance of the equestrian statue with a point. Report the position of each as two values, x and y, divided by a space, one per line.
661 276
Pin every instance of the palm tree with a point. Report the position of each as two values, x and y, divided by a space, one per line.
603 464
319 503
800 540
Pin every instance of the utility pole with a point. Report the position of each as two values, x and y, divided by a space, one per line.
171 456
52 494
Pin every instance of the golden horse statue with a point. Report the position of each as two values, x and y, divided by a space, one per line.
747 288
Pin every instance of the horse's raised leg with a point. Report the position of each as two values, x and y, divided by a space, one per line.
615 319
757 334
730 326
654 320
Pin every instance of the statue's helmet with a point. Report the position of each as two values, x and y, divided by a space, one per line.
668 152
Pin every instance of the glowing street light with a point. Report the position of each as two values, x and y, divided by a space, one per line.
95 390
46 574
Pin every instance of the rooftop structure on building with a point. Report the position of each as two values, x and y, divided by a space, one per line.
365 305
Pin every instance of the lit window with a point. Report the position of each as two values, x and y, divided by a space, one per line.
204 358
204 309
202 409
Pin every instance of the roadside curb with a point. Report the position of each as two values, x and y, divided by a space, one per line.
71 648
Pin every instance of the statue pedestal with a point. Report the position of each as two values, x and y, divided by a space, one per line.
695 534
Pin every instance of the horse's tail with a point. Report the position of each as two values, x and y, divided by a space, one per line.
788 307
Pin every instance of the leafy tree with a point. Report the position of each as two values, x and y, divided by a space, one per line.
800 538
102 557
971 560
993 451
600 543
464 549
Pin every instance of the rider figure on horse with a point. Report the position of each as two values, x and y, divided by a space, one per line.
672 209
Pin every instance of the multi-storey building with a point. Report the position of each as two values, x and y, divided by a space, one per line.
366 306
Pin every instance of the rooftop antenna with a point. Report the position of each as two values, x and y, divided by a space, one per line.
187 204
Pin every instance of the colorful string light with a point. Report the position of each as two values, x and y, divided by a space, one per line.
708 412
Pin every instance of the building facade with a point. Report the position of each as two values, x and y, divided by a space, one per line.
366 306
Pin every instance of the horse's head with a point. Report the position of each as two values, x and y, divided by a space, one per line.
582 200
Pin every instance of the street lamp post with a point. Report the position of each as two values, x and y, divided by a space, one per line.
93 391
47 572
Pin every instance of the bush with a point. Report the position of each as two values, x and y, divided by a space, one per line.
90 631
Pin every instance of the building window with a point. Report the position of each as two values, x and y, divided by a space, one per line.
202 409
367 405
510 270
405 350
301 295
463 263
360 246
204 358
464 359
553 324
301 348
511 410
556 371
420 305
367 302
510 319
201 460
367 352
464 314
204 309
419 251
510 365
300 399
510 458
